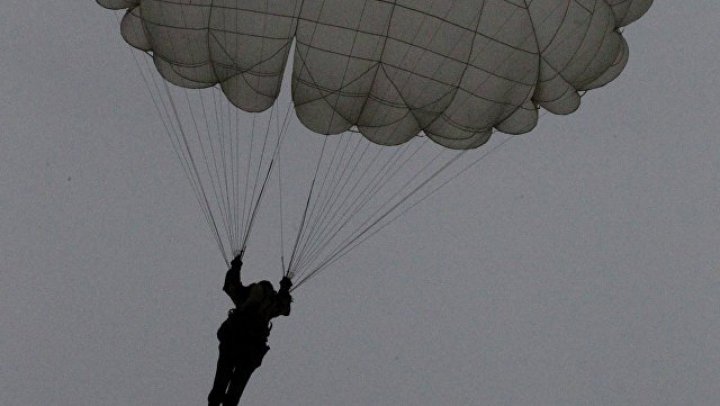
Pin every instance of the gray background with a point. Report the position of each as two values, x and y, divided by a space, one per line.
577 265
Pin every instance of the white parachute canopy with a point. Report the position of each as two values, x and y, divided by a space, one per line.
451 69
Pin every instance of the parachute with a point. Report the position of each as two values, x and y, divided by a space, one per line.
398 72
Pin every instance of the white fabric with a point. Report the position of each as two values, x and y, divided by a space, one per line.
453 69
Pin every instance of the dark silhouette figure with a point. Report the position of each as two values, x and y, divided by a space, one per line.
243 336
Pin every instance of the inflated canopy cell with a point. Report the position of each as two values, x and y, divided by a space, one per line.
453 69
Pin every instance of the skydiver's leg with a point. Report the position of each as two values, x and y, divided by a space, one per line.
223 373
245 367
240 377
224 370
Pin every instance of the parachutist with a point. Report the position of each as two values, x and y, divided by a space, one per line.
243 336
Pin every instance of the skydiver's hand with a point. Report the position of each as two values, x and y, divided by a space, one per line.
285 283
237 262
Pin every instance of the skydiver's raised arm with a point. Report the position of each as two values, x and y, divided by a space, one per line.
233 284
284 298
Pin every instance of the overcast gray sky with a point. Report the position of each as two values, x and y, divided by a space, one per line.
578 265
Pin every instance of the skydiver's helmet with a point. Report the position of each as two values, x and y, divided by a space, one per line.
260 291
267 288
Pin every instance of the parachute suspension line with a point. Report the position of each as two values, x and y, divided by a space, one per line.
313 236
224 197
221 155
174 130
280 207
236 176
247 176
256 201
212 223
411 193
388 170
303 233
209 159
319 227
329 204
330 207
246 185
241 152
356 204
193 166
262 158
282 131
369 233
320 244
307 205
349 244
217 167
382 207
227 141
319 211
468 68
320 200
249 212
167 110
256 206
464 169
216 138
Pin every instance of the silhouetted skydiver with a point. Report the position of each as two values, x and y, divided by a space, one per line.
243 336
